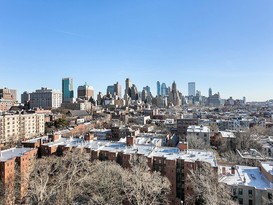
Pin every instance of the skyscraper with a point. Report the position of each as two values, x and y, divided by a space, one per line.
210 92
117 89
191 89
127 86
67 89
157 88
85 92
148 89
163 89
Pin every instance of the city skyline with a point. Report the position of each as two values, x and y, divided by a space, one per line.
226 46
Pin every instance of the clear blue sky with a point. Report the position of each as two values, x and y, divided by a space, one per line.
223 44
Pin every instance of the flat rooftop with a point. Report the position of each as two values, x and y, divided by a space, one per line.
244 175
190 155
13 152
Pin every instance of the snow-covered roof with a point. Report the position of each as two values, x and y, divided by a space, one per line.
13 152
244 176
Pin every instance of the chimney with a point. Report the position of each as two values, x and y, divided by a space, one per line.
233 170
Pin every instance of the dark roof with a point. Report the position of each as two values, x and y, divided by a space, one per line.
74 113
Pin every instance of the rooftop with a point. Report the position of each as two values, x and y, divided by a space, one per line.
195 128
13 152
244 175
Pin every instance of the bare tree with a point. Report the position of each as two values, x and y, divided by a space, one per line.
207 189
73 179
197 143
141 186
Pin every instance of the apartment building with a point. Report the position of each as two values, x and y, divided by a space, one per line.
183 124
12 161
249 185
21 126
46 98
200 132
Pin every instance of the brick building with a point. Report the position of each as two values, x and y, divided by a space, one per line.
14 167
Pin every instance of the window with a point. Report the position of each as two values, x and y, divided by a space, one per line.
250 202
249 192
240 191
241 201
269 195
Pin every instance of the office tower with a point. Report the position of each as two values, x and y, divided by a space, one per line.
46 98
191 89
163 89
85 92
110 90
67 89
134 92
25 97
157 88
117 89
148 89
174 89
210 92
144 95
244 100
175 97
128 87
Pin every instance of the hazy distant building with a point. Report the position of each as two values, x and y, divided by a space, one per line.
85 92
157 88
210 92
148 89
67 90
46 98
175 97
191 89
214 100
144 95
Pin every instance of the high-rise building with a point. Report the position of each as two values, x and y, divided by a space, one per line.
134 92
127 87
85 92
46 98
174 89
25 97
164 89
191 89
67 89
157 88
110 90
148 89
210 92
117 89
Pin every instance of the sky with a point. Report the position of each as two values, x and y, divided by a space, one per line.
226 45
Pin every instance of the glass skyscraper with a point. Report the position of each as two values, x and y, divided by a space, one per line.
67 89
191 89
